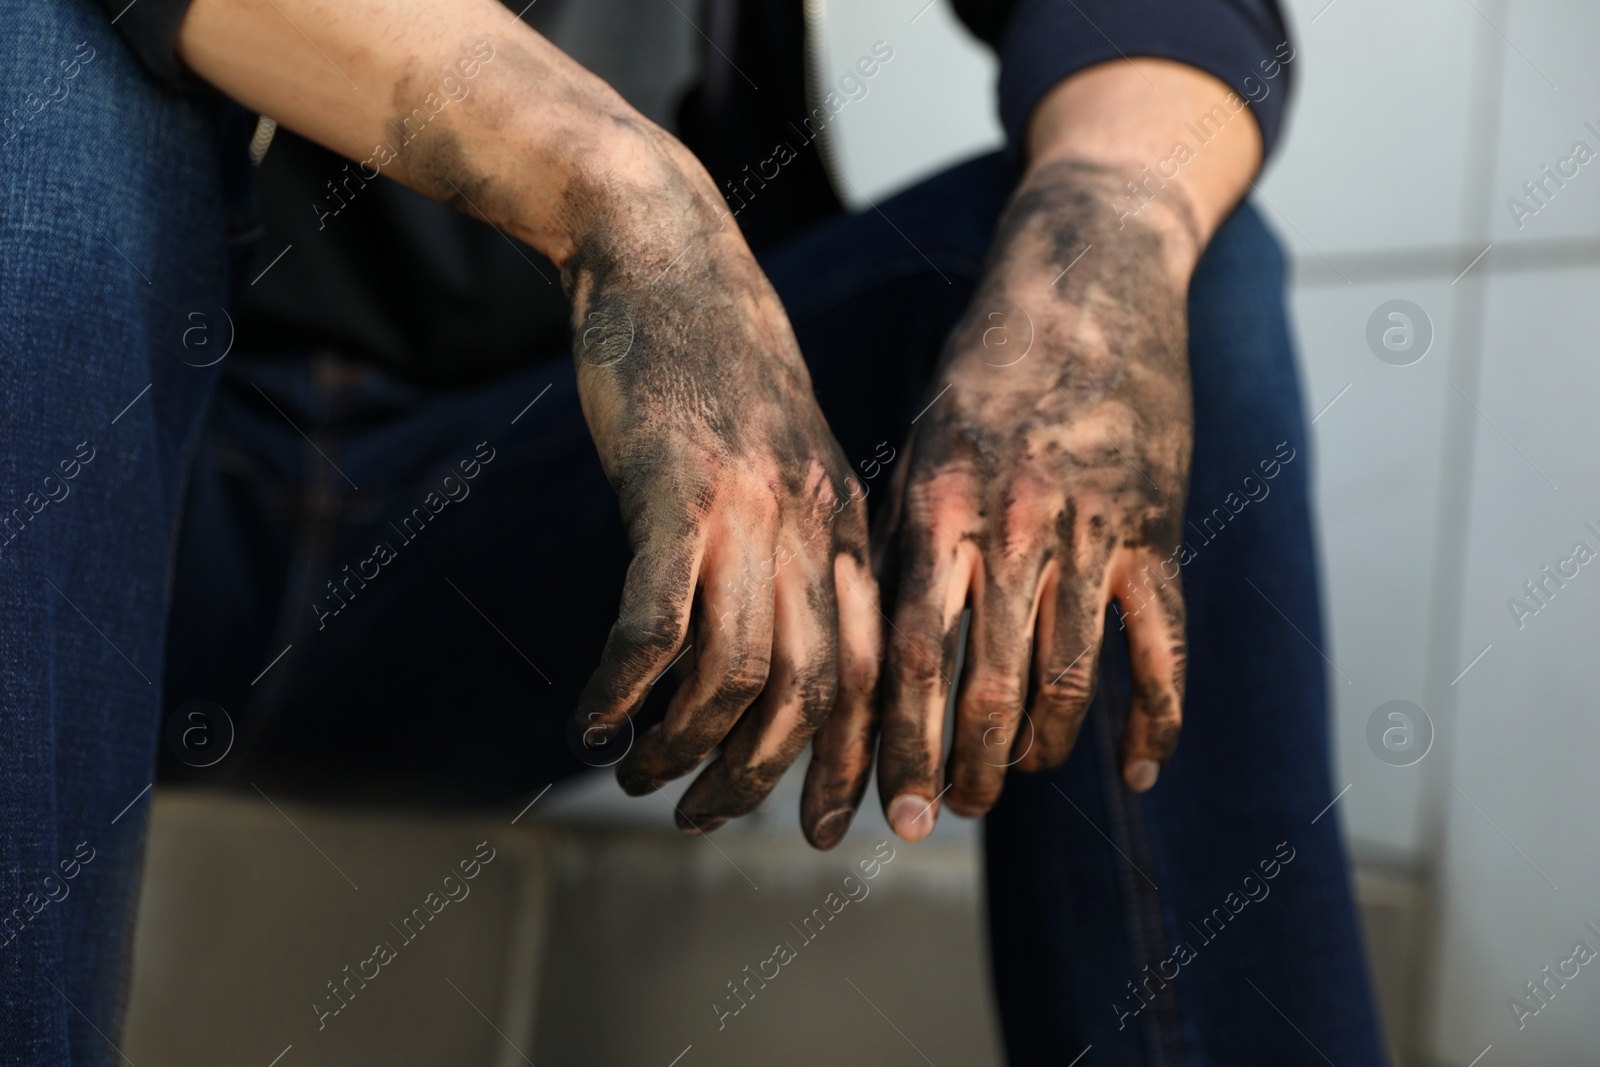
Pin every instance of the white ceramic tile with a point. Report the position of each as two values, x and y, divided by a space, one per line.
1549 98
931 105
1527 732
1378 132
1377 451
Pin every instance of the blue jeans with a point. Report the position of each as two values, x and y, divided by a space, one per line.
446 667
113 226
495 607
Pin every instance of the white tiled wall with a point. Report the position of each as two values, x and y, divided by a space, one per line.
1413 125
1378 135
1378 450
1522 874
929 106
1551 89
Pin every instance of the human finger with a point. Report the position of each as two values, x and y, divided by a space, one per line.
798 695
936 560
1069 632
842 749
1158 658
994 678
651 625
732 656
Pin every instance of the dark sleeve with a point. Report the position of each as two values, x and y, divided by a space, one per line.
151 29
1244 43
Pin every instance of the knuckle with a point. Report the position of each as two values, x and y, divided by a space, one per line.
990 693
1061 699
652 639
1159 704
973 781
973 799
1056 734
819 690
858 679
905 761
917 658
683 747
839 772
745 680
741 790
1071 688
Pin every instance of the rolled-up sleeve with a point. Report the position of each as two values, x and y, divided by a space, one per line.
1243 43
151 29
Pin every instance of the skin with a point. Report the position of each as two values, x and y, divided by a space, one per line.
1031 490
750 538
1038 485
751 567
1053 466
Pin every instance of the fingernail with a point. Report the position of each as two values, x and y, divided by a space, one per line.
831 827
911 816
1141 774
704 825
638 787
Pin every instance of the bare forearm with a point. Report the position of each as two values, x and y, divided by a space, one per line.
1177 148
455 98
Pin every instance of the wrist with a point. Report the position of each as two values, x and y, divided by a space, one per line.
626 190
1072 218
1076 276
589 178
581 171
1182 145
634 204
